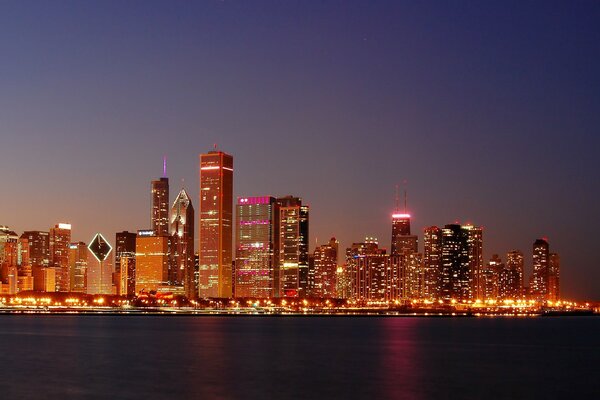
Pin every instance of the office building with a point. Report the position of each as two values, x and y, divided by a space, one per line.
540 277
325 260
292 230
182 249
60 241
151 262
255 259
215 225
124 248
99 269
432 262
160 206
78 260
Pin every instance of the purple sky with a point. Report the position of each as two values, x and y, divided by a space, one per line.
490 111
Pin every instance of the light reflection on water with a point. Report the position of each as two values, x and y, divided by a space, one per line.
157 357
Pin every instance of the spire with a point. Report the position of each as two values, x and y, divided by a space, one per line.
164 166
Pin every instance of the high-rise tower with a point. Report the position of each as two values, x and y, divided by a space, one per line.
160 206
60 242
215 222
540 276
182 250
292 229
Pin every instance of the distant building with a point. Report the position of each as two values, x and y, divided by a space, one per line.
325 269
489 279
475 249
60 240
151 262
432 262
78 261
456 272
292 230
510 278
125 248
39 247
540 277
215 222
255 259
182 249
99 268
554 277
369 269
160 206
402 240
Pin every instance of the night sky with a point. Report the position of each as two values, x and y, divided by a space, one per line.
489 110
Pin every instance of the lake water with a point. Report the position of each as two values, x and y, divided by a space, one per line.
162 357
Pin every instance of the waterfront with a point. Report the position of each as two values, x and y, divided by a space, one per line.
156 357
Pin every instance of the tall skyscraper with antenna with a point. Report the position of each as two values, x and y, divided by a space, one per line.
402 240
160 203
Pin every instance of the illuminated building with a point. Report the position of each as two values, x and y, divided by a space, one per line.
325 268
255 259
456 274
554 277
78 259
25 272
6 236
402 240
127 276
432 262
369 269
9 266
151 262
510 277
99 269
292 230
125 247
182 233
489 279
215 228
540 277
60 240
475 247
343 281
44 279
160 206
39 247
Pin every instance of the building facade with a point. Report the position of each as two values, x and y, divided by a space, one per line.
182 249
215 222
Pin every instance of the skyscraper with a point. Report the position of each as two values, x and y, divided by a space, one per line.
554 277
540 276
151 262
125 248
456 274
510 278
432 262
215 225
78 260
255 259
160 206
99 268
60 241
402 240
182 232
39 247
292 229
489 278
475 248
369 266
325 268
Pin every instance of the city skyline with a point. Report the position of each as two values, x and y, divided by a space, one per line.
490 123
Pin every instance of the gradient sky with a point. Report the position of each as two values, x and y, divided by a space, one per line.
490 111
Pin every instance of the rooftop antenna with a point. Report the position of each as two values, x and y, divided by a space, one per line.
405 197
164 166
397 203
215 146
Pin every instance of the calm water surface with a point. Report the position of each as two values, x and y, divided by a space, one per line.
156 357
